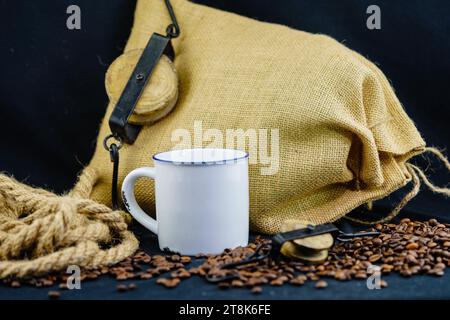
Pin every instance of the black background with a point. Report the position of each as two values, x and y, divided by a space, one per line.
52 95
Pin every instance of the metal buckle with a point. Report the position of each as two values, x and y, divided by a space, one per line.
118 122
272 251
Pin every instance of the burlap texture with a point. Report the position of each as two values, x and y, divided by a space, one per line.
344 136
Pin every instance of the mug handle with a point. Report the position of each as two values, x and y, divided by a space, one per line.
129 200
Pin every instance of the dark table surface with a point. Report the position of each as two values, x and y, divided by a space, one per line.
417 287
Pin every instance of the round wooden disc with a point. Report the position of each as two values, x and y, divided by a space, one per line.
315 243
292 251
159 95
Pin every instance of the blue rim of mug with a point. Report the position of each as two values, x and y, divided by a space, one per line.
193 163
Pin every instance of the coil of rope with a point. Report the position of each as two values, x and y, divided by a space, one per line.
41 232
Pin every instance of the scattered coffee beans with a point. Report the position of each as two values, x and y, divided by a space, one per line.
408 248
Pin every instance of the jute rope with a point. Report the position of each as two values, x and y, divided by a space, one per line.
417 175
41 232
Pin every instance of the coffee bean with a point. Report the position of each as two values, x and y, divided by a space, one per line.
411 259
185 259
439 272
283 278
121 276
271 276
374 258
321 284
237 283
412 246
253 281
360 275
276 282
223 285
432 244
183 273
146 276
132 286
256 290
168 283
298 280
377 241
54 294
406 273
121 288
340 275
47 283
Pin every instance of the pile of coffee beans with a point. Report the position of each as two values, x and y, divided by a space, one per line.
408 248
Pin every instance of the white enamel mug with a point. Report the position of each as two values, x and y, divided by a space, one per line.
202 199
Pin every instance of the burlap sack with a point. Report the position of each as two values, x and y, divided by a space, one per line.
344 138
